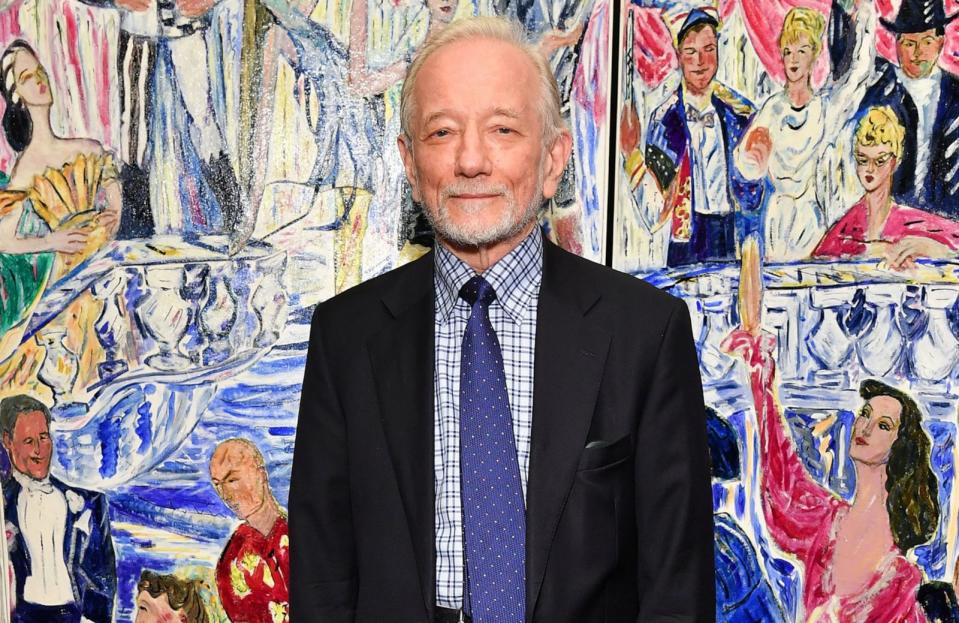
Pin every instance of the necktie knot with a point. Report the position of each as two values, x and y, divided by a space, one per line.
479 290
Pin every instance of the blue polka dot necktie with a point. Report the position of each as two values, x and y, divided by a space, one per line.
494 517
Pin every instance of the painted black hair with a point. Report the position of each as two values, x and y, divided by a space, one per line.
17 124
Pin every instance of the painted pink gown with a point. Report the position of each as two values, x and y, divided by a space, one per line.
847 237
803 517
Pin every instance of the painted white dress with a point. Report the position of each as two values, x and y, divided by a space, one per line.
803 138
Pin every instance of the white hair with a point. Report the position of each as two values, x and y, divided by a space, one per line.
497 29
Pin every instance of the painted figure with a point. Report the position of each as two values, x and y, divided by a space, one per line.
154 35
742 591
688 174
168 599
253 571
789 136
61 551
61 196
854 553
925 98
876 226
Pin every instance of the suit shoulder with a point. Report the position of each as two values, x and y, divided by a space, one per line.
734 100
359 302
665 106
621 287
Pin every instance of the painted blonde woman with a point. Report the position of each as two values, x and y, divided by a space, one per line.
59 204
876 227
788 139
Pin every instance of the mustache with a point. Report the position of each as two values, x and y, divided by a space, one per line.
473 188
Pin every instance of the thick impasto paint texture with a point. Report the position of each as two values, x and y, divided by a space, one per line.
790 169
181 182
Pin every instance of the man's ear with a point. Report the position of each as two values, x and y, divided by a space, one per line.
405 144
556 157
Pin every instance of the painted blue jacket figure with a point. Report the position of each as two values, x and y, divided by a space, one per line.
61 550
923 95
742 592
709 206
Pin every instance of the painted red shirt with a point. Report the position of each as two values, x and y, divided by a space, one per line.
803 517
847 237
252 575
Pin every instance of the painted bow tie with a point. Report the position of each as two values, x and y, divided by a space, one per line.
708 119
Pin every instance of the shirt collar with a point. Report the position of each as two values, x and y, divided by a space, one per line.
32 484
516 278
930 81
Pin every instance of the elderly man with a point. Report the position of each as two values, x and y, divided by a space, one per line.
61 552
499 431
688 178
252 573
924 96
169 599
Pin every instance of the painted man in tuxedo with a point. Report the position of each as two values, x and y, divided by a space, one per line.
924 96
499 431
61 551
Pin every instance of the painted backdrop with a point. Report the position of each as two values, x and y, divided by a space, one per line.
789 168
209 171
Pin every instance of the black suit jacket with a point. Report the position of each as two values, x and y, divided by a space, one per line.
619 531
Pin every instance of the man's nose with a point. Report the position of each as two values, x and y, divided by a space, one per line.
472 158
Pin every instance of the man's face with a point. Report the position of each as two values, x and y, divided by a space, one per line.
238 479
30 446
919 52
475 156
699 59
157 610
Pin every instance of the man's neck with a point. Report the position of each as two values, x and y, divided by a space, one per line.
700 100
481 257
263 519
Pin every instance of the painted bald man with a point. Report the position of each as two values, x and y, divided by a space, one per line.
251 575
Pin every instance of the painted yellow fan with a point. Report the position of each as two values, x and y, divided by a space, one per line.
67 198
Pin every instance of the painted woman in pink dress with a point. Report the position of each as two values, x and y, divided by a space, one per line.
854 554
875 226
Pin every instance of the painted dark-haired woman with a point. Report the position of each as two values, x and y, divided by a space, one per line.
60 203
853 554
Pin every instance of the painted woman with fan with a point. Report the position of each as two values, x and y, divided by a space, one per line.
60 203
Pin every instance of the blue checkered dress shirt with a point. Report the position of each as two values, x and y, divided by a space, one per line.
516 279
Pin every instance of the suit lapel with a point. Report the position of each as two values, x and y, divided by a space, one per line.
571 353
402 356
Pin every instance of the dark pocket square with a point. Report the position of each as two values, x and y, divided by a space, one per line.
602 453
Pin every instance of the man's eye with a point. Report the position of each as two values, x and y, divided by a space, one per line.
505 130
441 133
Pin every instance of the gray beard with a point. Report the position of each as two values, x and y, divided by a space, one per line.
510 223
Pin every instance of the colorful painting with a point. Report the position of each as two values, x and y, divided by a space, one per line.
181 182
789 168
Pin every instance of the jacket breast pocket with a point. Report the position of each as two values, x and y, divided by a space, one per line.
601 453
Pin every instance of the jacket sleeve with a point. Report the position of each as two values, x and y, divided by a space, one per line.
98 583
673 494
322 554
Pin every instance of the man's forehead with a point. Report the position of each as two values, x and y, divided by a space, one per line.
918 36
230 455
460 67
31 420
